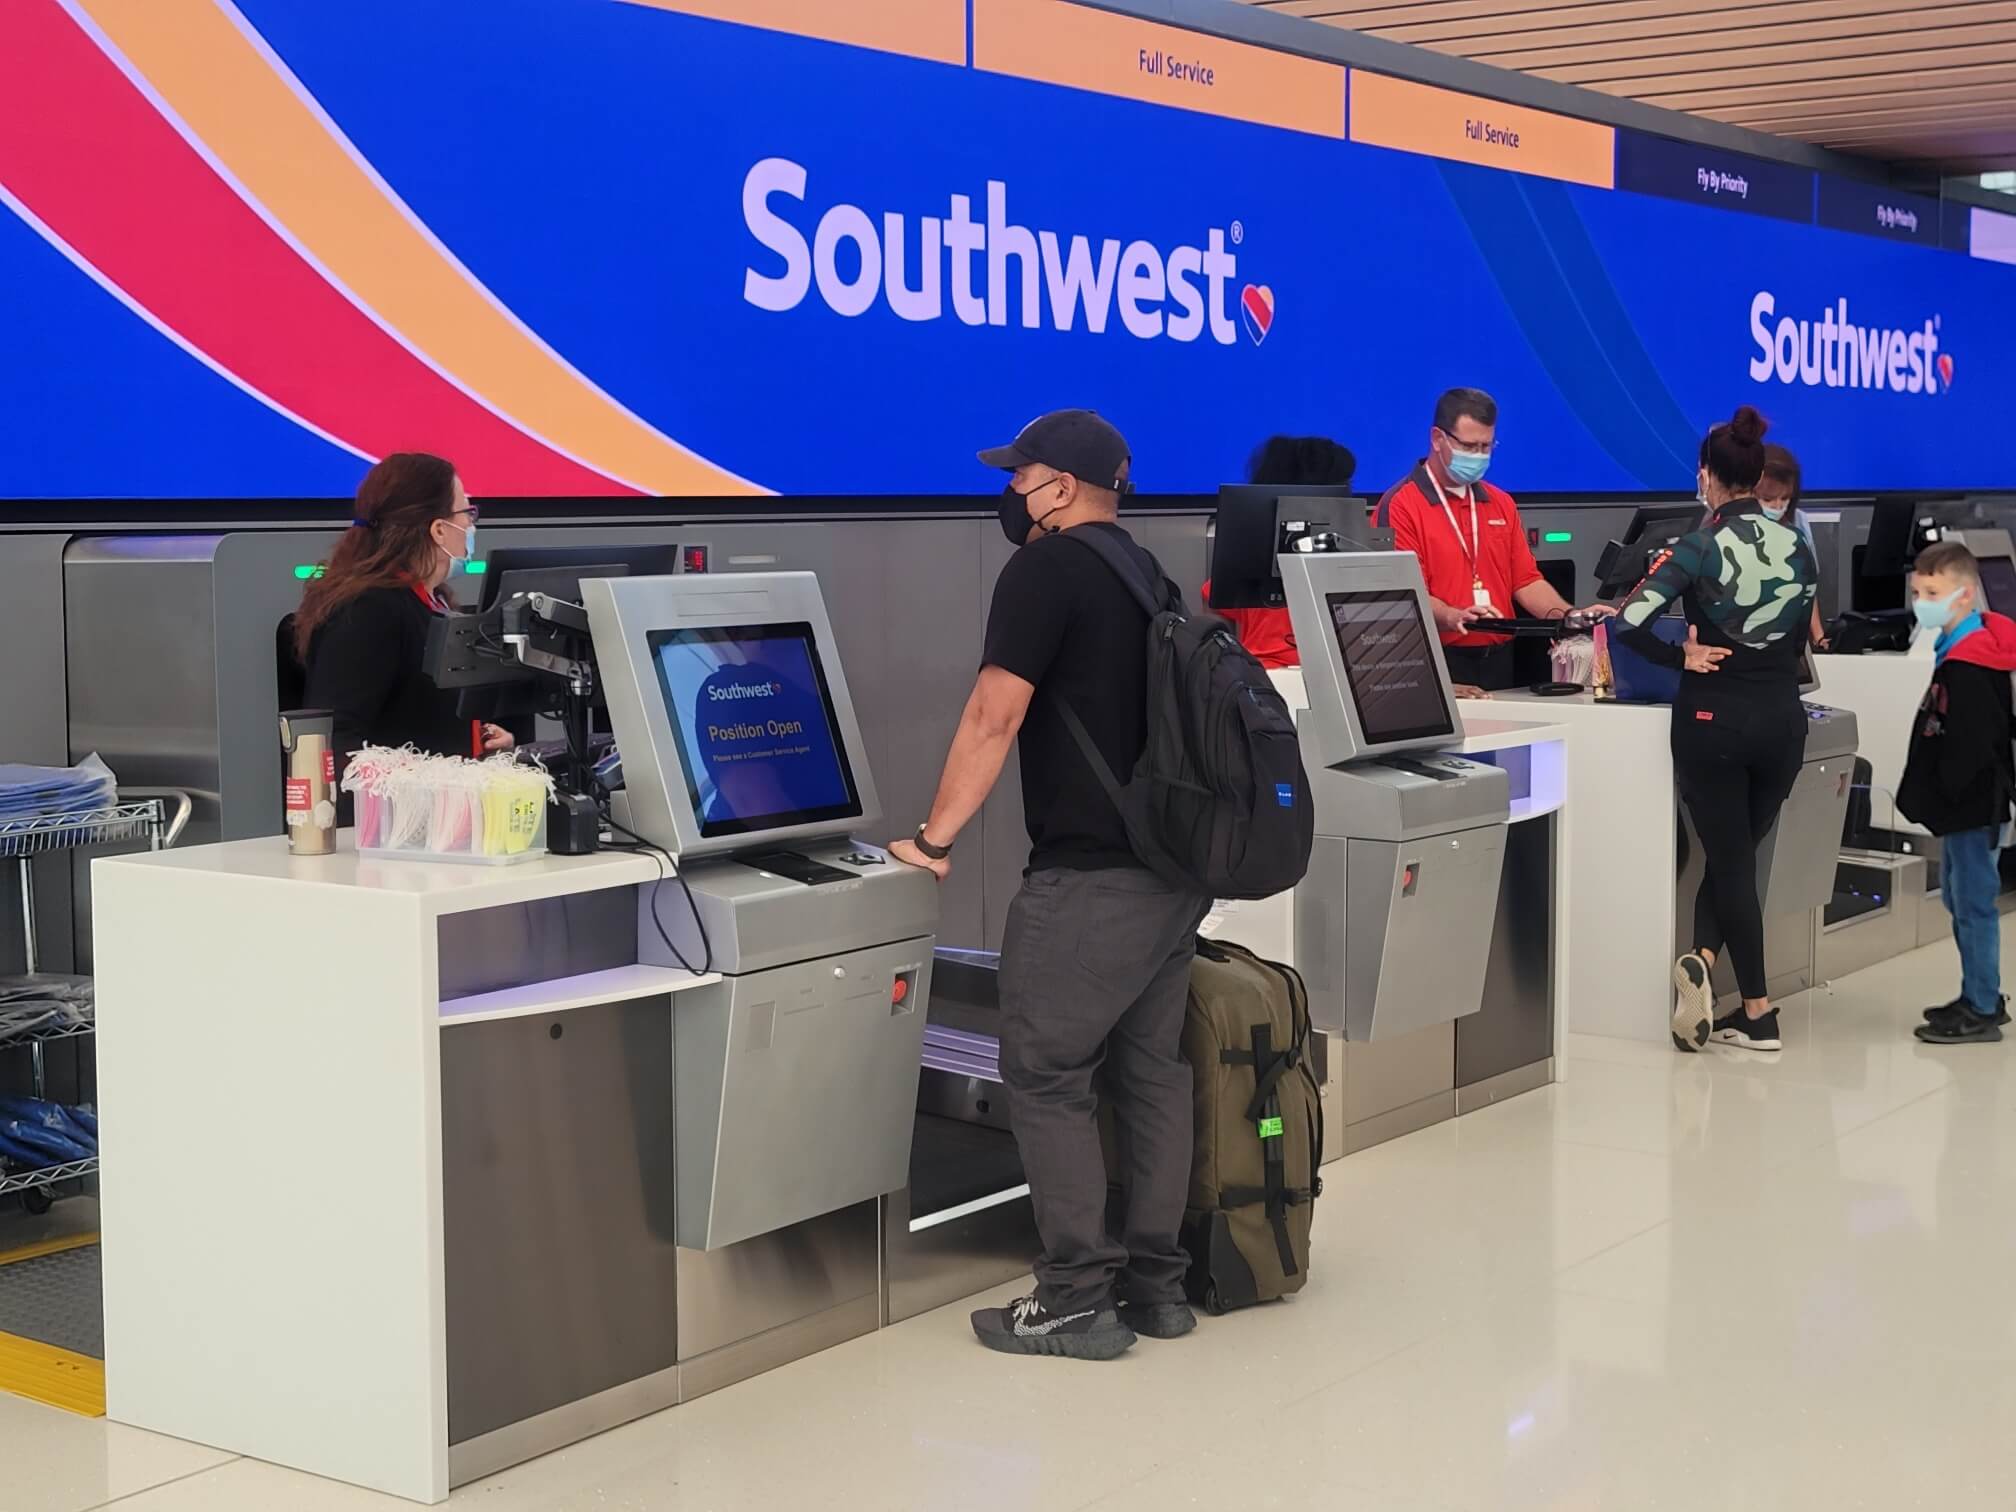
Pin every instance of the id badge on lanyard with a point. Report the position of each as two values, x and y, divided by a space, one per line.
1479 594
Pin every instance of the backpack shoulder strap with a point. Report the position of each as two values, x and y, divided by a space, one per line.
1124 567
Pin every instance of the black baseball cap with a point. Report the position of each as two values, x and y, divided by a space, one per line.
1076 441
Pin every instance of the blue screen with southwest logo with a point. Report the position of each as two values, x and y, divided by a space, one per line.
753 718
570 248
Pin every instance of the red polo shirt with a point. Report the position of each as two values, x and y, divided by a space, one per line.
1452 561
1268 633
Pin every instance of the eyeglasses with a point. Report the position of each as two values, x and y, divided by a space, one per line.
470 510
1473 448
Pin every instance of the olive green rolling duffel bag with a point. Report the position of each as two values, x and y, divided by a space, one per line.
1259 1129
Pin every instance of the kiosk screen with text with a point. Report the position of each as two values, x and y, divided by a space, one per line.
1390 658
754 721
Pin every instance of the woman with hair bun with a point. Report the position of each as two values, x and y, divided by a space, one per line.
1746 582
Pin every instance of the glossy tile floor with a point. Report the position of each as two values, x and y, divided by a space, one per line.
1672 1282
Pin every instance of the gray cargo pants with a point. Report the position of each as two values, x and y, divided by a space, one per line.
1095 974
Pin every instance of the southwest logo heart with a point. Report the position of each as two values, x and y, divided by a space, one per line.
1256 303
1946 370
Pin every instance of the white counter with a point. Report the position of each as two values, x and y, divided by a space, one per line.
269 1043
1619 851
1884 690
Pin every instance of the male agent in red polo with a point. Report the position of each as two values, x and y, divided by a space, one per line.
1468 537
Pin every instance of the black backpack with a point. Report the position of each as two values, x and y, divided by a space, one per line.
1218 803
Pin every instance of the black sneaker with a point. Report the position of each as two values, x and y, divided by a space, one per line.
1961 1005
1740 1031
1158 1320
1961 1027
1026 1326
1693 1003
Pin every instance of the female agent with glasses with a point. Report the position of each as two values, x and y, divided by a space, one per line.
1466 533
361 630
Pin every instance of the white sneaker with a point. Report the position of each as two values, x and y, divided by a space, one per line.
1693 1003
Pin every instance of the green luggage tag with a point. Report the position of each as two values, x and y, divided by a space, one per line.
1270 1128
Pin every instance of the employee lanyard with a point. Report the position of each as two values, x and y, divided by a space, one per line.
1472 550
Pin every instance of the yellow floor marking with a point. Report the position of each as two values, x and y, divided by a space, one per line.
52 1376
41 1247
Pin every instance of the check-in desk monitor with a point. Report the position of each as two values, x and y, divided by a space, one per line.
745 765
1393 921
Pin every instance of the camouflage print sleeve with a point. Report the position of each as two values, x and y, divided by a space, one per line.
1670 574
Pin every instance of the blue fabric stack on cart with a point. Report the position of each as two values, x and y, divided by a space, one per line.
34 792
36 1134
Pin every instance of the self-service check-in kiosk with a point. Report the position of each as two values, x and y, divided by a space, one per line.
797 1087
1393 922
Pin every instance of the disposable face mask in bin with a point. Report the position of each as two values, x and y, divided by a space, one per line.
416 807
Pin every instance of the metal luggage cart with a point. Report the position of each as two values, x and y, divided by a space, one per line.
156 816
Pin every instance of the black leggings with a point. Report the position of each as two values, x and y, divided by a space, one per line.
1735 764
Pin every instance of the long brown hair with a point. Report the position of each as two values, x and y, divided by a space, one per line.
388 541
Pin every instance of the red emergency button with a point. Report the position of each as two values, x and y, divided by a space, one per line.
900 991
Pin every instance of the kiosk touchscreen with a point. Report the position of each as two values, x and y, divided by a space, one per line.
1393 921
745 768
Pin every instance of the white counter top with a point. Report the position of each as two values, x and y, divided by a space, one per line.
436 887
1485 734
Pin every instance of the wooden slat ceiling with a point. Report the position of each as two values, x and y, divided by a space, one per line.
1925 82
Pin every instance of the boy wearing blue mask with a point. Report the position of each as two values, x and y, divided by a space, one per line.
1959 776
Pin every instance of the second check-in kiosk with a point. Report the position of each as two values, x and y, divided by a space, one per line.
1393 921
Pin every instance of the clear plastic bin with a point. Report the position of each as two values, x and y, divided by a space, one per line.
418 808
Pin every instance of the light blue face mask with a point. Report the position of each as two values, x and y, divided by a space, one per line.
1468 467
1777 514
1935 614
468 549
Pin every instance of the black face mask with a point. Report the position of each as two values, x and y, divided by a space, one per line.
1014 513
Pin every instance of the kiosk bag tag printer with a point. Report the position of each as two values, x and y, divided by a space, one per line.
1393 921
796 1079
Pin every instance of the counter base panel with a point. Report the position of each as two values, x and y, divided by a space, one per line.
1514 1027
779 1346
515 1443
1414 1117
1507 1084
556 1150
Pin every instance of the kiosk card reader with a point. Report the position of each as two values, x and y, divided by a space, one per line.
1393 921
744 763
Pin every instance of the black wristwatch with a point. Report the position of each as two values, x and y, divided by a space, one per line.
933 852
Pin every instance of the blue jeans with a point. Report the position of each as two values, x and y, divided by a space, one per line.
1969 882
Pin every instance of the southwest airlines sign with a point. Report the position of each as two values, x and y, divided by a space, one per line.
1835 352
586 259
961 265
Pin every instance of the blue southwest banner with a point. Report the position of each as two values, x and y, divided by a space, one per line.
592 247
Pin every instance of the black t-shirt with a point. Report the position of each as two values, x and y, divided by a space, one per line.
1062 621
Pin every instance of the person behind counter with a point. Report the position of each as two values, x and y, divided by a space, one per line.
1285 462
1472 548
1746 582
1778 494
361 630
1095 958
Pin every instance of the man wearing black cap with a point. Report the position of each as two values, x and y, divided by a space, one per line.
1095 960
